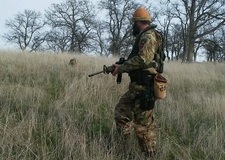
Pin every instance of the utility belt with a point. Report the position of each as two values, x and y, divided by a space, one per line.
141 77
144 76
147 98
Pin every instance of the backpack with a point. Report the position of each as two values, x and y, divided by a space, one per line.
160 55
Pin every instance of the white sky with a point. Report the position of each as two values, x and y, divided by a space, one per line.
9 8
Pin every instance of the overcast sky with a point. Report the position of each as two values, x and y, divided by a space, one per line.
9 8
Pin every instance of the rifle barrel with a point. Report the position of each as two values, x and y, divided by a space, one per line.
93 74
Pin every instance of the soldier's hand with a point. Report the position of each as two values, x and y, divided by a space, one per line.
116 70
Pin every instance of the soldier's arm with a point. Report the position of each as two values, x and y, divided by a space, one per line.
147 49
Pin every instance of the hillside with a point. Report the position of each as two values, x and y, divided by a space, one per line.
51 110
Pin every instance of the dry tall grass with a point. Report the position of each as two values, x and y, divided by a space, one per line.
52 110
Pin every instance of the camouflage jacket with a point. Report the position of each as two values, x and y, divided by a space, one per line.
143 51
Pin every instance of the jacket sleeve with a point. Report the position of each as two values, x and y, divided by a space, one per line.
147 48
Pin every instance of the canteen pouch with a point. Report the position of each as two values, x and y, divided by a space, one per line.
160 85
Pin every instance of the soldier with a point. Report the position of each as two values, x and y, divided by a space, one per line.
132 111
73 62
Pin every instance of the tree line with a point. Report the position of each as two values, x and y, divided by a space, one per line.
190 27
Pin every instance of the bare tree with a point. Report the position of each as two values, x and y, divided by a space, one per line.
199 18
214 46
176 42
77 18
58 40
25 30
118 25
99 45
211 48
165 24
221 38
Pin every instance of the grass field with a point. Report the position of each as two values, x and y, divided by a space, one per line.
50 110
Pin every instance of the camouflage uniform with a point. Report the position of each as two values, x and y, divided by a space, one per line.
128 114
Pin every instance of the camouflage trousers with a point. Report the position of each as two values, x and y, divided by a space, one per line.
129 116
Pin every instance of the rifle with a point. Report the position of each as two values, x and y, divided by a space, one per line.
110 69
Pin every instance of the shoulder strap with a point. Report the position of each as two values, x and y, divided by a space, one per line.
135 49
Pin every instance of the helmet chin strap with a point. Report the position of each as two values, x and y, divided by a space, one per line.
136 29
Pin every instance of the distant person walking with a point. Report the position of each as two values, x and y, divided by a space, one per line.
135 108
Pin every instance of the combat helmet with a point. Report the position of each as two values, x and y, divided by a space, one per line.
141 14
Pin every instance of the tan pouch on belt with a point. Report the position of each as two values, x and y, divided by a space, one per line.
160 85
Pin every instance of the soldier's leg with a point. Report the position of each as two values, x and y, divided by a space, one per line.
124 119
145 129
